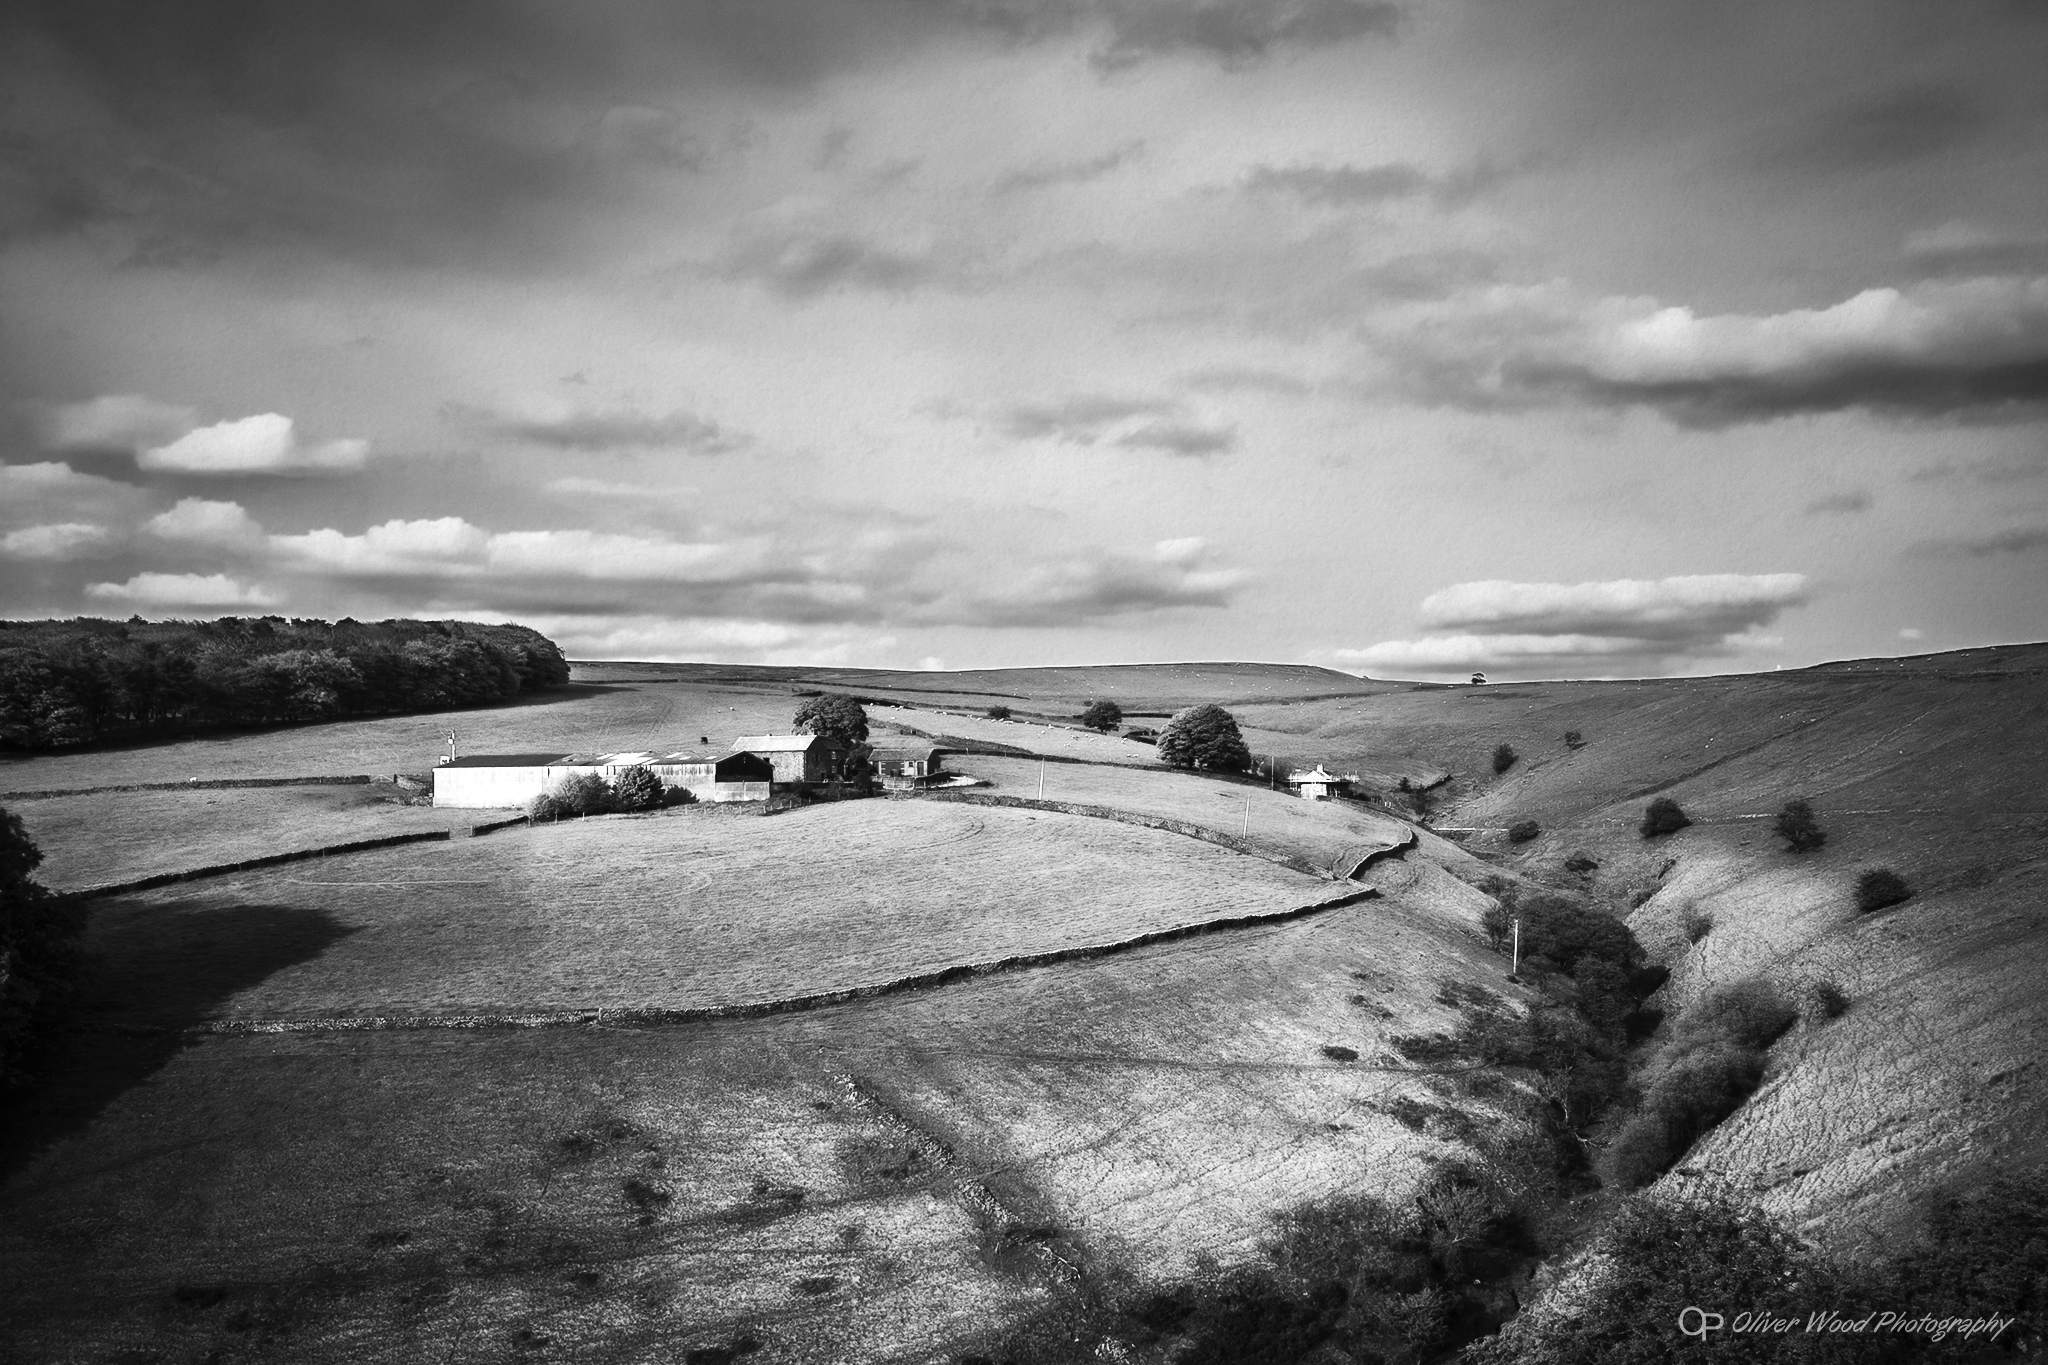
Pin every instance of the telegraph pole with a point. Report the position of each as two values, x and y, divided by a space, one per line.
1515 963
1041 776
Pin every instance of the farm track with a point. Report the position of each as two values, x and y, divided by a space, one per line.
629 1017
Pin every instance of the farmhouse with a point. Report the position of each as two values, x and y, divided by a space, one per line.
798 760
906 769
1319 784
485 781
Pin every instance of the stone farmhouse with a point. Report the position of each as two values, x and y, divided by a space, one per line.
798 760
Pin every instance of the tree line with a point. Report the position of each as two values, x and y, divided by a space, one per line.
68 683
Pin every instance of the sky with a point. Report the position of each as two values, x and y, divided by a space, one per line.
1408 337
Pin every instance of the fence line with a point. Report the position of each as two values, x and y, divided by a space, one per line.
195 785
787 1005
251 864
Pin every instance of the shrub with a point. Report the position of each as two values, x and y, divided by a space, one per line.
546 806
1204 737
1822 999
585 794
638 789
1103 715
1712 1063
1879 887
678 796
1663 816
1698 924
1581 862
1574 740
1661 1255
1977 1254
1498 921
1797 827
39 956
1504 758
1522 831
997 713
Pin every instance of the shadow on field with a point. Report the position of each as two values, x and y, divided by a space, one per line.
154 971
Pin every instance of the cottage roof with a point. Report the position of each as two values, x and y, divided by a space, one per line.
780 744
1319 774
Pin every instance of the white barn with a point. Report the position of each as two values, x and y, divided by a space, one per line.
499 781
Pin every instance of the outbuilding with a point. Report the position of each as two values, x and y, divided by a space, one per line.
496 781
798 760
906 769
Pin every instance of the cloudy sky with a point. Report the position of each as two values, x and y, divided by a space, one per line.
1603 338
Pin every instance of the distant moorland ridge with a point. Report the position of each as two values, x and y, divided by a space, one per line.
69 683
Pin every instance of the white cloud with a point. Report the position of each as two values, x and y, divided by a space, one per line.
205 522
439 545
264 443
116 421
450 547
1645 624
57 542
183 590
1935 346
1909 633
1678 608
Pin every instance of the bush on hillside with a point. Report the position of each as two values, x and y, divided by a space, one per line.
1522 831
1712 1063
1977 1253
997 713
1663 816
1796 825
1581 862
1204 737
1498 923
1103 716
1697 923
1880 887
1661 1255
638 789
1574 740
1504 758
1821 1000
545 806
39 955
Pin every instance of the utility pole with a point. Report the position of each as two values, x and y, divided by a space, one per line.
1515 963
1041 776
1246 832
453 750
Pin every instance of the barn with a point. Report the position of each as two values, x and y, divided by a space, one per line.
492 781
798 760
906 769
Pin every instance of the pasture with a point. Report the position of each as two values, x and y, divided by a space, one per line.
699 909
105 837
1329 834
908 1177
602 717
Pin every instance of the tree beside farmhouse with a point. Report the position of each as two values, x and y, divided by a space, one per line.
833 715
1204 737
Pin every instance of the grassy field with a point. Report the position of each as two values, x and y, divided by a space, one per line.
1061 741
607 717
701 908
1329 834
900 1178
122 836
